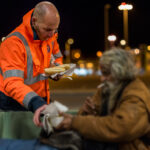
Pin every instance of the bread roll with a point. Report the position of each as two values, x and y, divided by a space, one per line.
65 66
53 70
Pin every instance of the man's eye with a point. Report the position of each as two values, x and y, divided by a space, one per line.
105 73
48 30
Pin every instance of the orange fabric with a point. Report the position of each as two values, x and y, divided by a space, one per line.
13 56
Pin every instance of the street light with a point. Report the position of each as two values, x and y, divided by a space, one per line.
68 43
98 54
125 7
122 42
112 38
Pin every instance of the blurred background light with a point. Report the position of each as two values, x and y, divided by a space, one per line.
112 38
122 42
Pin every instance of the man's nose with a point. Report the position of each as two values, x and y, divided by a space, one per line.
103 78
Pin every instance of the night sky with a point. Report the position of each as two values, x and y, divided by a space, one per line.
83 20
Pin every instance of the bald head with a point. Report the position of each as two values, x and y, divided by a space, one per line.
45 19
46 8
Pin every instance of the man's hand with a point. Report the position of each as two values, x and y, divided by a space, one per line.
89 107
56 78
36 117
66 123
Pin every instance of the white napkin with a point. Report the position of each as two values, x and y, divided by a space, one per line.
51 117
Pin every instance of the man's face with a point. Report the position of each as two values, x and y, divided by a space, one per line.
46 28
106 74
107 79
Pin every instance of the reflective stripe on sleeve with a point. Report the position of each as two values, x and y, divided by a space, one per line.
19 73
1 71
13 73
38 78
28 98
52 58
58 55
52 44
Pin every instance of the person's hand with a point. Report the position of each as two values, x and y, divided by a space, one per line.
88 106
66 123
56 78
36 117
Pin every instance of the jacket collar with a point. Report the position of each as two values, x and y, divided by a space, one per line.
27 23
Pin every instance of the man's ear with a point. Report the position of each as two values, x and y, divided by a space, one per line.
33 20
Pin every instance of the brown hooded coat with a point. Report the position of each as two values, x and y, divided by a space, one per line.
128 124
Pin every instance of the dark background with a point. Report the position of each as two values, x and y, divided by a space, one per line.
83 20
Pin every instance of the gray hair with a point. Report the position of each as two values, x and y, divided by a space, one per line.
119 63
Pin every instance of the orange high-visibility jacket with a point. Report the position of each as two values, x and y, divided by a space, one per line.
22 63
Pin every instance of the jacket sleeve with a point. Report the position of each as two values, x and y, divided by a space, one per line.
57 53
128 122
13 67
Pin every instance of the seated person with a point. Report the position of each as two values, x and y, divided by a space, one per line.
118 114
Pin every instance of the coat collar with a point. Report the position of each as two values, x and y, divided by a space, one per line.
27 23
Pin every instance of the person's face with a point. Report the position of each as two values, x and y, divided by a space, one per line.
106 75
107 80
45 29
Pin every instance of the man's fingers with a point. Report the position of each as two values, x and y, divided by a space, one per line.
90 104
57 77
88 99
36 117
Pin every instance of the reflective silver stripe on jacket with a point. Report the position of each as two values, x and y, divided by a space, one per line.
52 44
52 59
28 97
13 73
57 55
30 79
18 73
1 71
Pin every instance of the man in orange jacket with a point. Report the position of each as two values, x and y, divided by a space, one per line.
25 52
